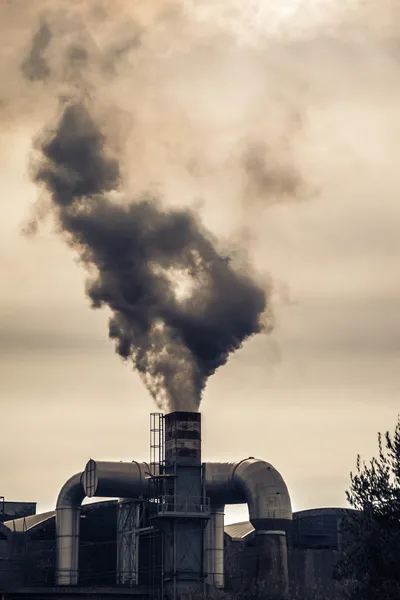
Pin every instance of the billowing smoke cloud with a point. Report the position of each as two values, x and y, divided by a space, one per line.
218 102
35 65
179 307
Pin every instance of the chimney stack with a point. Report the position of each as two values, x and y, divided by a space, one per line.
185 510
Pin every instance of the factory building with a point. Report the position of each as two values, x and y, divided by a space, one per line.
315 543
164 534
15 510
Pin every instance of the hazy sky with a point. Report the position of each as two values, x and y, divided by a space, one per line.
315 90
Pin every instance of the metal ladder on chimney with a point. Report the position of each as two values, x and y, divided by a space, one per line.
157 440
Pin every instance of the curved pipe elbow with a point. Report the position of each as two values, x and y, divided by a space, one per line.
256 483
266 494
72 493
253 481
98 479
68 511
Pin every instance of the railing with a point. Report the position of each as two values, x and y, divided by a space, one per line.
168 505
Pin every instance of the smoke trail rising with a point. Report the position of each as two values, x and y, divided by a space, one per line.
35 66
179 307
219 97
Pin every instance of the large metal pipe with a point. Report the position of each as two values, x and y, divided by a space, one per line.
98 479
256 483
250 481
262 488
214 547
115 479
68 513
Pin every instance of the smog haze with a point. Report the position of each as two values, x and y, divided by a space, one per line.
222 183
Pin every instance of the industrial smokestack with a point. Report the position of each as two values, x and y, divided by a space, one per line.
183 438
184 510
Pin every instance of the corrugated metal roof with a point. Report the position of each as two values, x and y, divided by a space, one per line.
26 523
238 531
320 512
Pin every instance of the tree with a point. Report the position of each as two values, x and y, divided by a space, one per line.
370 561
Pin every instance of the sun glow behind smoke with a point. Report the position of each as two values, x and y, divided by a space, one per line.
255 19
183 284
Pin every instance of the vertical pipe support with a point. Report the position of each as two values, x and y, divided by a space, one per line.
272 560
214 547
68 514
129 516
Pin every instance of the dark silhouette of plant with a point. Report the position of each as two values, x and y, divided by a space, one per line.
370 561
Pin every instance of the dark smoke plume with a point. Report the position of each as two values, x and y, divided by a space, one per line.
268 179
179 307
35 67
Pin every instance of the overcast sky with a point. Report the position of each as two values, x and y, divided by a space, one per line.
318 96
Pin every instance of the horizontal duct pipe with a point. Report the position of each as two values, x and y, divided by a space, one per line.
115 479
250 481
